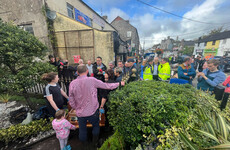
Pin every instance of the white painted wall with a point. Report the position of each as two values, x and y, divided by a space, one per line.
223 47
200 47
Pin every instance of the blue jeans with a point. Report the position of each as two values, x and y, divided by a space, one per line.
82 121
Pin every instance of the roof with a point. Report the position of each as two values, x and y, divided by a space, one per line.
118 18
189 43
217 36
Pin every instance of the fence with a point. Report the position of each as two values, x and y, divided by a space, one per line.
66 75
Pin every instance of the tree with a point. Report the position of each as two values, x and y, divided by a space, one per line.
215 31
21 56
187 51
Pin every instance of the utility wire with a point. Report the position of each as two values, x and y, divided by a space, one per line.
224 28
178 15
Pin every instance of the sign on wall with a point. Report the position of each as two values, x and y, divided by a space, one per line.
80 17
76 58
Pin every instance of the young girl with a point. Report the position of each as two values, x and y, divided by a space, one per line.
62 128
53 93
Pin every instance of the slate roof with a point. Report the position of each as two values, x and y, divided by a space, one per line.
189 43
217 36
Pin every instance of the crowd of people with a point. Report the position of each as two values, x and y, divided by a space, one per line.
88 93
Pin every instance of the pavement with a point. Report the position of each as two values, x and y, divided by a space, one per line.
52 143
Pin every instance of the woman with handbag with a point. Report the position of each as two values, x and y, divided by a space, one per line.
226 93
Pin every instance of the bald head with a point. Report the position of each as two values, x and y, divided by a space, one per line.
81 69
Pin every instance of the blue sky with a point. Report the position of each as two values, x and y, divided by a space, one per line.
154 25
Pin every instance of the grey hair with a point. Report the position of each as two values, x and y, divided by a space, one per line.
112 62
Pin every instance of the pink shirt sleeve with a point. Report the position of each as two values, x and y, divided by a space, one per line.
102 85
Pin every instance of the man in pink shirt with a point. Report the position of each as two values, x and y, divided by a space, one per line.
83 98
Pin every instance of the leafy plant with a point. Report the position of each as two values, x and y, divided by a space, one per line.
115 142
20 53
142 110
5 98
15 132
215 128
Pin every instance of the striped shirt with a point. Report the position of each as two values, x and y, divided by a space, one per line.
83 94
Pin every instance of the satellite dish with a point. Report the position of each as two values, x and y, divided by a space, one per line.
51 14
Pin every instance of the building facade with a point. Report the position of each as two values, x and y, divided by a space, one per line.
128 35
78 28
213 45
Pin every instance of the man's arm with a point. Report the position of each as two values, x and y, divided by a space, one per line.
192 72
219 79
181 73
102 85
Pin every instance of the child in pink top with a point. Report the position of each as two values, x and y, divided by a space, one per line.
62 128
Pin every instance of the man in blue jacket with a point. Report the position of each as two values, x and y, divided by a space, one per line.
186 71
210 77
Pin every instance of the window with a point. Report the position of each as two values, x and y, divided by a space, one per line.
27 27
70 10
224 41
214 42
129 34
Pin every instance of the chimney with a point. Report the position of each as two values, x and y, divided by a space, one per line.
105 17
127 21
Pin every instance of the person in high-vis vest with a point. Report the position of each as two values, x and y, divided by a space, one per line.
164 69
148 70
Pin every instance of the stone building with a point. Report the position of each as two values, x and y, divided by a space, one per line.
79 30
129 35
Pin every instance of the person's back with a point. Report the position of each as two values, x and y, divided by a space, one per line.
83 99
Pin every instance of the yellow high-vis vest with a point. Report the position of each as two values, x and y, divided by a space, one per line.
164 71
148 73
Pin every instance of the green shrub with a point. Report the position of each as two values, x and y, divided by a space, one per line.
15 132
33 99
115 142
142 110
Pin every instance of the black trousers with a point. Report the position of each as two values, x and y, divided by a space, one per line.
224 101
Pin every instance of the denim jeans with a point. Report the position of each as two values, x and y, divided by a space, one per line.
94 120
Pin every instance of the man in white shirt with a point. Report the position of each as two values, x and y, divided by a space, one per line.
90 67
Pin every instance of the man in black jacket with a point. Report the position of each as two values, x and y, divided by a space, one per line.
99 68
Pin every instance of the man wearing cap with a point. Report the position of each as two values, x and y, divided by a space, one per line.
128 70
148 70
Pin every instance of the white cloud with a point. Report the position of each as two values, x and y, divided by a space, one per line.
153 29
114 12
